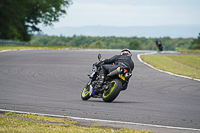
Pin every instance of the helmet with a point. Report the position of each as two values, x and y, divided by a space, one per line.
126 52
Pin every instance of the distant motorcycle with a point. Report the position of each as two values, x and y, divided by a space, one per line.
114 82
160 47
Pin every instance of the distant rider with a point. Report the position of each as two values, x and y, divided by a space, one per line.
159 45
122 60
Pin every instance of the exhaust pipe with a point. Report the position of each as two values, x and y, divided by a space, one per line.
116 71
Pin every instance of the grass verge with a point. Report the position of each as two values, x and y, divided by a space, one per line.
186 65
15 47
4 47
190 51
14 124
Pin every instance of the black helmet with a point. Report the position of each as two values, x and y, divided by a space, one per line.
126 52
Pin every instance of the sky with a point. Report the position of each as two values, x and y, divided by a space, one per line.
125 13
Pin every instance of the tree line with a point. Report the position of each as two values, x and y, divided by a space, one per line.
136 43
20 18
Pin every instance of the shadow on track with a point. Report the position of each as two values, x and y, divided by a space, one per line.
114 102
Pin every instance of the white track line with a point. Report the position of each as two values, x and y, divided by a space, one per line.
3 51
138 56
100 120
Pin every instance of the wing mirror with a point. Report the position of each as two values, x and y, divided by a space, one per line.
99 57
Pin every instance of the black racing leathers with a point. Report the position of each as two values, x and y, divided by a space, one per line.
120 60
114 62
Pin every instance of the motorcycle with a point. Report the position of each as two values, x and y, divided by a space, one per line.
114 82
160 47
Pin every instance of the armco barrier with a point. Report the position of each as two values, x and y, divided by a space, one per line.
11 42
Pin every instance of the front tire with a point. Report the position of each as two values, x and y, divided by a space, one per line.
85 95
113 91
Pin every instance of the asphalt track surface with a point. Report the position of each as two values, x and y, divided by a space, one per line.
51 81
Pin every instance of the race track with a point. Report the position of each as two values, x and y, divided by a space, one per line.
51 81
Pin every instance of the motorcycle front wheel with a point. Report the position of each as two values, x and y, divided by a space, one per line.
113 91
85 95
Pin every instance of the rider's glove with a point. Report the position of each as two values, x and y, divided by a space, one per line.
99 63
96 64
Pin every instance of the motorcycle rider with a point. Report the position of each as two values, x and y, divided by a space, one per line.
158 43
108 65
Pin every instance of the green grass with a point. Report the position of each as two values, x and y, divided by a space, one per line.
15 47
41 117
16 125
186 65
190 51
32 47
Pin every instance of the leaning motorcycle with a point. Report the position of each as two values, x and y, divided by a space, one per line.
114 82
160 47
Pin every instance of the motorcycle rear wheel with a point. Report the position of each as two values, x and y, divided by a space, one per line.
85 95
113 92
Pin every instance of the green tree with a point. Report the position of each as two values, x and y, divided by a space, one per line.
114 42
197 42
98 44
19 18
135 45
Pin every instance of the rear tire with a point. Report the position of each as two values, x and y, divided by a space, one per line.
113 92
85 95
